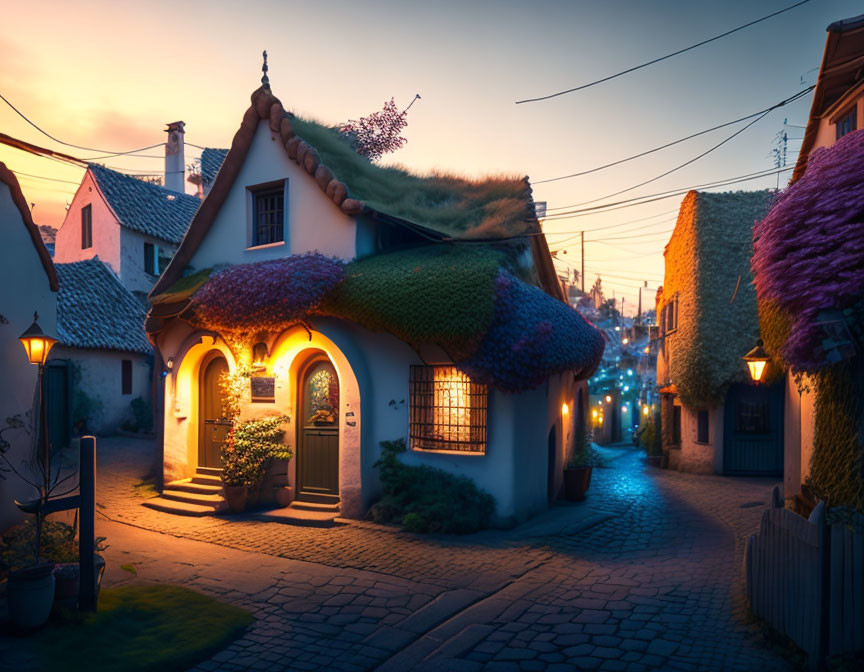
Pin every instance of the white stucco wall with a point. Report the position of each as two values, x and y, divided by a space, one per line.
374 373
696 457
25 290
106 229
799 421
314 222
98 374
132 273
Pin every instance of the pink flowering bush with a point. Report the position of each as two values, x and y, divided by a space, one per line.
266 295
809 250
379 133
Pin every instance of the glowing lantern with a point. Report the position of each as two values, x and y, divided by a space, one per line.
36 343
623 409
756 360
645 410
594 413
260 353
564 409
608 399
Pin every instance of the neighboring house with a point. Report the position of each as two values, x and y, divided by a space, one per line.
714 420
809 274
209 164
30 285
132 225
358 309
102 341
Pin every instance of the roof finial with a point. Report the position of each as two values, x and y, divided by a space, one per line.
265 80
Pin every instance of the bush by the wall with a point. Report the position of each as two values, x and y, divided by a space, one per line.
426 499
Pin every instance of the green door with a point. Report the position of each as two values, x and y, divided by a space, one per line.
318 430
55 384
212 425
753 430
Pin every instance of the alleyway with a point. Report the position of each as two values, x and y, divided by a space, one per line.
648 578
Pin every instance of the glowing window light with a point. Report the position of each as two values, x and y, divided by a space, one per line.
647 350
625 340
623 409
629 372
645 410
451 409
594 413
626 388
608 399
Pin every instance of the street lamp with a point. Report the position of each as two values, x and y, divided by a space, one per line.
37 344
756 360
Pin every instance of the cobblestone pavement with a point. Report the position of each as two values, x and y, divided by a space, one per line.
646 576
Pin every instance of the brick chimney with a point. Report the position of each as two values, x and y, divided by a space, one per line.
175 164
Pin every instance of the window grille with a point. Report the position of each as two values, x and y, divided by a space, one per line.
86 227
448 411
269 216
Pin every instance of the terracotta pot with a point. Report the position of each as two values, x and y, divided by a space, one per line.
66 581
31 595
576 482
236 496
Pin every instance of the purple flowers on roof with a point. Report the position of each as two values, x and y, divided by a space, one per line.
267 295
809 250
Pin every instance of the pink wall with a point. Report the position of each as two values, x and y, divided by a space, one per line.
106 229
827 133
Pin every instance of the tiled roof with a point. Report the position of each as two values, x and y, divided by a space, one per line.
211 162
144 207
95 311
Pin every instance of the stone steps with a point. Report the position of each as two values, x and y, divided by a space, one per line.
178 508
200 495
305 514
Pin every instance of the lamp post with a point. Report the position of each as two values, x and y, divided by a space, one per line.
756 360
37 345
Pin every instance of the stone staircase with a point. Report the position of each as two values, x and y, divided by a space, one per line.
307 514
200 495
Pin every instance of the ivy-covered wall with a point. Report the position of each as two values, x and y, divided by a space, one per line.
708 271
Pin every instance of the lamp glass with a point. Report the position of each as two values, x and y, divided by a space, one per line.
37 347
757 368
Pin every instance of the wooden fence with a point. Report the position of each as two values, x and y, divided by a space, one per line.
805 578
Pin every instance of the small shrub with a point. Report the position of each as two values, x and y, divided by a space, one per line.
58 543
649 437
425 499
249 447
584 455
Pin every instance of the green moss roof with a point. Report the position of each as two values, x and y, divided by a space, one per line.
456 206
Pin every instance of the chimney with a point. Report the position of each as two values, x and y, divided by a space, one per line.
175 164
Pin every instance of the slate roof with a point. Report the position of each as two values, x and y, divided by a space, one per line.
211 162
144 207
95 311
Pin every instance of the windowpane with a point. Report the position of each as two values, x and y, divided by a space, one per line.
269 216
676 425
126 375
447 410
847 123
86 227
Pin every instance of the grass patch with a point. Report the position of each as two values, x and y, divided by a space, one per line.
145 627
146 487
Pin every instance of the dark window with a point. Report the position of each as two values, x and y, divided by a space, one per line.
126 375
676 425
752 417
447 410
150 258
86 227
268 216
702 426
847 123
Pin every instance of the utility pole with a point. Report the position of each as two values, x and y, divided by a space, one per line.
639 309
582 248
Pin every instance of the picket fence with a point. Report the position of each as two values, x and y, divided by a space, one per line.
805 578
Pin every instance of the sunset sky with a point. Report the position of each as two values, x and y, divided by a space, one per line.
109 75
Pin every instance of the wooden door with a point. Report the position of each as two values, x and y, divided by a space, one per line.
318 433
56 383
753 430
212 425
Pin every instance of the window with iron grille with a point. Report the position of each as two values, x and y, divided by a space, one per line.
847 123
86 227
448 411
268 216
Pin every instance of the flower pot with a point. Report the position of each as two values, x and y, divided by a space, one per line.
31 595
236 496
576 482
67 581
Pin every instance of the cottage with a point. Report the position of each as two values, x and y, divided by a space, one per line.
808 265
713 418
367 304
25 265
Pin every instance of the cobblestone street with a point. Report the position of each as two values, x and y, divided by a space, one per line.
644 575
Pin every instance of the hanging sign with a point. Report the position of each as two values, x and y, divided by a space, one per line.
263 389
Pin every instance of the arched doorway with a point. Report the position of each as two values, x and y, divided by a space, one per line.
213 426
318 432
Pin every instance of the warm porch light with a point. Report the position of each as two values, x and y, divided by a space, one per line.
36 343
608 399
645 410
756 360
565 409
594 413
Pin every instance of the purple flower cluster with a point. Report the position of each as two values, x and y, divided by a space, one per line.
532 337
809 250
267 295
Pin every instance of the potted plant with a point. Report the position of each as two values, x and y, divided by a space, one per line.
246 452
577 470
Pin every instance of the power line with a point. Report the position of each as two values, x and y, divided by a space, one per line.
40 177
674 142
663 58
